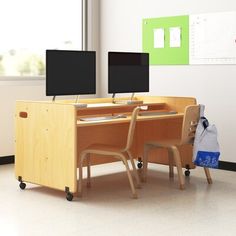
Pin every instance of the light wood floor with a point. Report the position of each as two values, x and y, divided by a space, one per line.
107 209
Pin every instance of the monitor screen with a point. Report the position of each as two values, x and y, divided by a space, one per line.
70 72
128 72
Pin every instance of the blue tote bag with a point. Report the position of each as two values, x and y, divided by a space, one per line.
206 150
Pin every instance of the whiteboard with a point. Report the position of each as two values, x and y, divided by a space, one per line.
212 38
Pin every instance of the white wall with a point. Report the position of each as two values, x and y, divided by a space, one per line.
10 91
212 85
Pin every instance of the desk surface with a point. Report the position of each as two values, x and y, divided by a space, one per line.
110 109
127 119
116 105
107 104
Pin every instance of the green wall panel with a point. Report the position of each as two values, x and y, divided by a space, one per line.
167 55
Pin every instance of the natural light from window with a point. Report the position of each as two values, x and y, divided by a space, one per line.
30 27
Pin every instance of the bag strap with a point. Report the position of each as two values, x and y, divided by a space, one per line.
203 119
205 122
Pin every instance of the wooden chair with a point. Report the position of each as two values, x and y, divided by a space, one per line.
190 121
122 154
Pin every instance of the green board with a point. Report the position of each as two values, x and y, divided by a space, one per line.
167 54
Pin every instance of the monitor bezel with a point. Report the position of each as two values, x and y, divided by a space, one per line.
127 91
49 92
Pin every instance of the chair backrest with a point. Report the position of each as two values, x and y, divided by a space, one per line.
132 124
190 121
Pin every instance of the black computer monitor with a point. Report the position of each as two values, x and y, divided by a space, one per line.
128 72
70 72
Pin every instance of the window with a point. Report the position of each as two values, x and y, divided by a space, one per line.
29 27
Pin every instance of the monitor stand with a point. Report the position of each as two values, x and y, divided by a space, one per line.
79 105
128 102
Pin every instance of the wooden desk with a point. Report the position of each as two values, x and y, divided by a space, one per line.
50 136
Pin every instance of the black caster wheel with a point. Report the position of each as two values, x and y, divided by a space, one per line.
69 196
187 173
22 185
140 165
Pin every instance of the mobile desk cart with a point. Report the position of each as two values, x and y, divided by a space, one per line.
50 136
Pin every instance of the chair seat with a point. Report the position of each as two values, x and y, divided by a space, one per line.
103 149
165 143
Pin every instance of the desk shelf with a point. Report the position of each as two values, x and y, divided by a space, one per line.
109 108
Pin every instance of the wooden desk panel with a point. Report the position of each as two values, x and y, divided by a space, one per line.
50 138
161 129
46 144
148 128
113 134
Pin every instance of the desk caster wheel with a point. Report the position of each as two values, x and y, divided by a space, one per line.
187 173
69 196
140 163
22 185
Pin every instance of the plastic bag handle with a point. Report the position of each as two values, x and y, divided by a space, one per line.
204 121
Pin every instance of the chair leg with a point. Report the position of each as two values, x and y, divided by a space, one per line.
134 169
80 174
208 175
88 171
171 168
179 167
145 162
80 185
134 194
